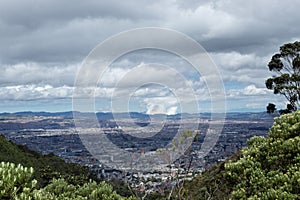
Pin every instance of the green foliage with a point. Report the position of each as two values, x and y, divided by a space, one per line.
213 183
120 187
17 183
60 189
46 167
286 64
269 168
271 108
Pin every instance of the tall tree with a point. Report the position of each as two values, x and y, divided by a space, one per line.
286 78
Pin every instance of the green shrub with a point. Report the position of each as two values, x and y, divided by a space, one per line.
17 183
269 168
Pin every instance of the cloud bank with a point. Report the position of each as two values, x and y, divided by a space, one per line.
44 43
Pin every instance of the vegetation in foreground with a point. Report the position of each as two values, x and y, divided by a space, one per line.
17 183
268 168
50 167
46 167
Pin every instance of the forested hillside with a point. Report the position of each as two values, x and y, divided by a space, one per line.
47 168
268 168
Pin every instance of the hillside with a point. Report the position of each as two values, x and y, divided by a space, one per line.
212 183
268 168
50 166
46 166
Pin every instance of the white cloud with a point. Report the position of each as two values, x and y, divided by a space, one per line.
235 60
253 90
172 110
249 91
208 20
243 68
161 105
35 73
155 109
34 92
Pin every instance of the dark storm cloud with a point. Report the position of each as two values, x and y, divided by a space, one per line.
32 13
58 31
63 31
251 26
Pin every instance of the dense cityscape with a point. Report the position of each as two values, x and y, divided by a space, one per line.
55 133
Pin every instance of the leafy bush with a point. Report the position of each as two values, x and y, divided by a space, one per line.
17 183
60 189
269 168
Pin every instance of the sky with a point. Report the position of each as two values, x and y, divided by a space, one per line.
43 45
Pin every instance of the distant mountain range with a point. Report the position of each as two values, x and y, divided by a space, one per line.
143 116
